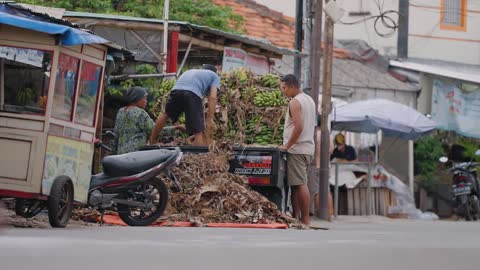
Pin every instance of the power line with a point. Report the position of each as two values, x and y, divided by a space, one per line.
384 18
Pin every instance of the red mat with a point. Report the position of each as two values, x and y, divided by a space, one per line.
115 220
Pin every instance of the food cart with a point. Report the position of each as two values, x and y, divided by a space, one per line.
50 83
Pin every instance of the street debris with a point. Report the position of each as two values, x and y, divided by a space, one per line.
211 194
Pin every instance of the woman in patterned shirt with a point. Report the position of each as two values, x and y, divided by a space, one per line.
133 124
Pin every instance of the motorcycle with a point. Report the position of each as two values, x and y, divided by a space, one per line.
465 188
128 184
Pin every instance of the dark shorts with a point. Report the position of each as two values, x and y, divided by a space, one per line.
186 101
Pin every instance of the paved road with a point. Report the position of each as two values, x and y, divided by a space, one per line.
347 245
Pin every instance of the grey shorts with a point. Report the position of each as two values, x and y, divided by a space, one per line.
297 169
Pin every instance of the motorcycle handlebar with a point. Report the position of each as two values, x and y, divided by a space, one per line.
110 134
99 144
463 167
106 147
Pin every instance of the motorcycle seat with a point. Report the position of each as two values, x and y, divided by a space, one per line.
135 162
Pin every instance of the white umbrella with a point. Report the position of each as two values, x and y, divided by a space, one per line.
370 116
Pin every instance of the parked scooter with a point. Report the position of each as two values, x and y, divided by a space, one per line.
465 188
128 184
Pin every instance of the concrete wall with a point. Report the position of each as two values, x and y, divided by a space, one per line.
365 31
428 40
425 97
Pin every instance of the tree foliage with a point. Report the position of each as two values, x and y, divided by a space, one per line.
202 12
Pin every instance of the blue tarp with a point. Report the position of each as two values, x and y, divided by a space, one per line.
69 36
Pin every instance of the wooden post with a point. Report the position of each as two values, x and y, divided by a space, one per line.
326 108
98 151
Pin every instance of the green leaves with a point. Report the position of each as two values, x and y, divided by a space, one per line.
202 12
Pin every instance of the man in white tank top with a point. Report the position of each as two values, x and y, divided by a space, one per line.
299 142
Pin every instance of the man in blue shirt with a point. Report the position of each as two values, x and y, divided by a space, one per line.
186 96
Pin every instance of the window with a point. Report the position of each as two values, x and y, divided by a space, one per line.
24 80
67 73
88 92
453 15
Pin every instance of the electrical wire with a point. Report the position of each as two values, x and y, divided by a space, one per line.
384 18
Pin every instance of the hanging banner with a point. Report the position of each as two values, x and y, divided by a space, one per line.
258 64
26 56
233 58
455 109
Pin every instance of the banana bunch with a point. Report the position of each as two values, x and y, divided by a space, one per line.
166 87
270 80
25 96
42 102
243 76
268 136
269 99
181 119
261 133
248 93
231 129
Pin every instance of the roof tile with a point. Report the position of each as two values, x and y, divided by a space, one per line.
262 22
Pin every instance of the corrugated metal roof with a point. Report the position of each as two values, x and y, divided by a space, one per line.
464 72
352 73
261 43
26 19
43 14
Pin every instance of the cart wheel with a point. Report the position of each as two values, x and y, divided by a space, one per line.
60 202
28 208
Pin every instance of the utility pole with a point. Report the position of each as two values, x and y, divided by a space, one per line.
402 39
307 47
326 108
297 64
316 61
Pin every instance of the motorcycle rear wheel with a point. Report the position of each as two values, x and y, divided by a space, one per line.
153 191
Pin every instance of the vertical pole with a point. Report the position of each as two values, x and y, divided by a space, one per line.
307 48
173 53
411 177
297 64
402 40
315 61
98 151
326 108
336 190
2 87
307 88
369 190
166 8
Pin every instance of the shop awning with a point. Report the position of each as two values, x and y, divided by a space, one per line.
69 36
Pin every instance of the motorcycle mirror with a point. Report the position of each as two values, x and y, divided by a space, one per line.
111 133
443 159
477 153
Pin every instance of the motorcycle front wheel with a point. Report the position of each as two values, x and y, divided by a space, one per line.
154 193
